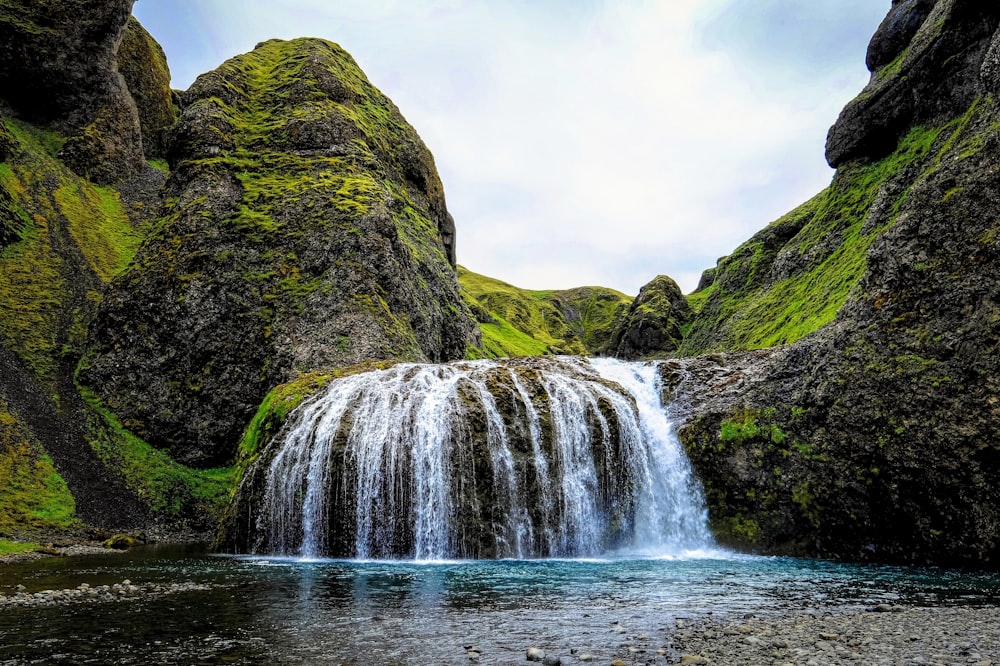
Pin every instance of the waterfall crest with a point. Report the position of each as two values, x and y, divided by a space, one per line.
517 458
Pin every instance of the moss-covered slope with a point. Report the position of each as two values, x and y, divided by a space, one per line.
305 228
522 322
793 277
876 437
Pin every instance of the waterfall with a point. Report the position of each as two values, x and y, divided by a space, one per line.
522 458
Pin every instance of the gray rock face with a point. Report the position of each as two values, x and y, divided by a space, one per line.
920 76
305 228
896 31
57 67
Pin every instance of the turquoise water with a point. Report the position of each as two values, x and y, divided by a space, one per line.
270 611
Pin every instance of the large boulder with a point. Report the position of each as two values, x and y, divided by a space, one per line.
652 327
305 228
58 68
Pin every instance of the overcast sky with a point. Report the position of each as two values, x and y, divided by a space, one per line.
584 142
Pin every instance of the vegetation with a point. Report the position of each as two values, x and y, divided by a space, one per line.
170 489
793 277
46 292
33 497
522 322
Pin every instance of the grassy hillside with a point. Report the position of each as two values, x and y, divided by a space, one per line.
792 277
523 322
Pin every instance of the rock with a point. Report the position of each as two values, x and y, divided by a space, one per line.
143 65
57 67
900 344
652 327
618 662
552 660
926 60
314 244
121 542
694 659
534 654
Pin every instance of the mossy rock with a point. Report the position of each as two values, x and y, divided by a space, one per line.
305 228
58 69
653 326
143 64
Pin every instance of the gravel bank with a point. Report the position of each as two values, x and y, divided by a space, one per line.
85 593
887 637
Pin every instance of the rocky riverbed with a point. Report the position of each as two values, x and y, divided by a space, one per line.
883 636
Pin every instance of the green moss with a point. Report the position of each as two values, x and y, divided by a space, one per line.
47 293
99 225
33 497
167 487
280 401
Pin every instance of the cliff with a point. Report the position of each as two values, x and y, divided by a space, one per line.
318 209
874 435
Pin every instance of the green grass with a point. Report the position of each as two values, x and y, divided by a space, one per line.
750 307
524 322
33 497
15 547
167 487
62 218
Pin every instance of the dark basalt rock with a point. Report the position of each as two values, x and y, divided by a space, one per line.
875 437
933 76
652 327
305 228
143 64
896 31
57 67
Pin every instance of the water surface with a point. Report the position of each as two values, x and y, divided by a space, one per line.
286 611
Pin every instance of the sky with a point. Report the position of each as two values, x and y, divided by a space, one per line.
584 142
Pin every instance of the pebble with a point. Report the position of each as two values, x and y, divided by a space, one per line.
891 636
534 654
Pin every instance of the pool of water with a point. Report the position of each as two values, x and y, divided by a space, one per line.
284 611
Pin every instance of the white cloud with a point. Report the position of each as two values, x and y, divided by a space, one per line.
587 143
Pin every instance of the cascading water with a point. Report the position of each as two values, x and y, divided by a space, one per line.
520 458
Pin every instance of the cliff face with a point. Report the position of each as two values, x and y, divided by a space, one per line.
877 435
58 68
305 227
62 239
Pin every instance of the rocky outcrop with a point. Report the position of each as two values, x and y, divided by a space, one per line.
143 65
57 67
652 327
305 228
925 61
875 437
